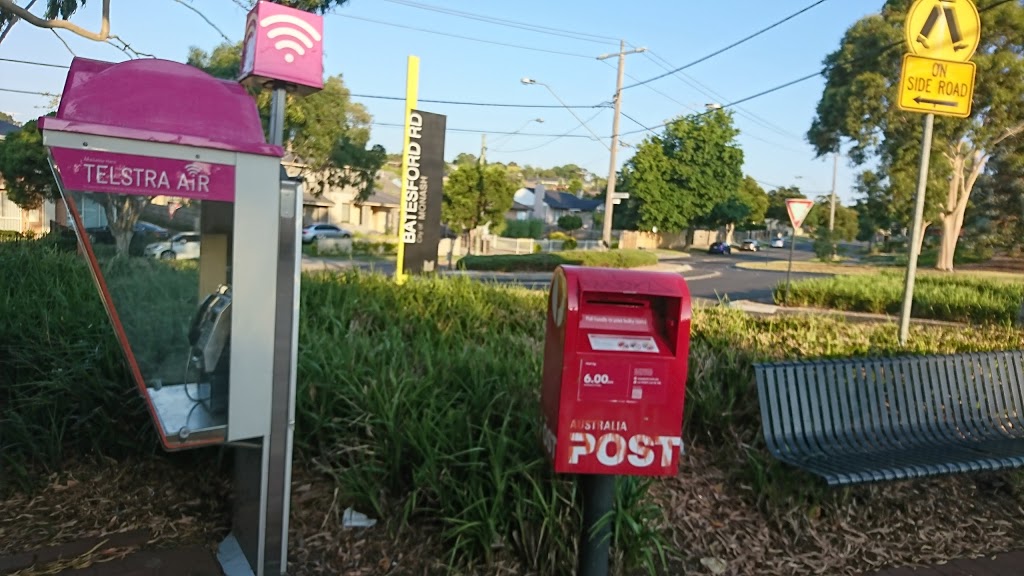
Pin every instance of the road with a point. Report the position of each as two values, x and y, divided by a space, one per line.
713 277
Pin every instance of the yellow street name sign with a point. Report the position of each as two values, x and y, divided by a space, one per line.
943 29
936 86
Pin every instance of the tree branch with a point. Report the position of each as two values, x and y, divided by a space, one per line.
14 20
1010 133
38 22
208 21
63 42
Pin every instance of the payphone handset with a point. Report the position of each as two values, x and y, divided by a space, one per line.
210 340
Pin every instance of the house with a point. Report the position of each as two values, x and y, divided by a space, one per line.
539 203
12 217
340 205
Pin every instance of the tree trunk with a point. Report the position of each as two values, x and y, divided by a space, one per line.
947 248
730 230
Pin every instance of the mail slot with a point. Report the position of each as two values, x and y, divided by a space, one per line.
615 364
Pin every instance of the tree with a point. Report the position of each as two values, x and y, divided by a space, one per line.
476 195
746 206
24 168
57 14
570 223
575 185
845 226
874 208
777 203
999 201
679 177
464 158
5 117
858 105
325 130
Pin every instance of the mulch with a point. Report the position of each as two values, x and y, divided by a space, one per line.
106 518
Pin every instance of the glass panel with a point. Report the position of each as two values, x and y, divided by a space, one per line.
163 268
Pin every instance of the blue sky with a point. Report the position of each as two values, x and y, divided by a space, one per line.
372 57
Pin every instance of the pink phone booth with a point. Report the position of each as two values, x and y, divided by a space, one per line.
193 240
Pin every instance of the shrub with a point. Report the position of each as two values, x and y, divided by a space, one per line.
568 242
548 261
936 297
523 229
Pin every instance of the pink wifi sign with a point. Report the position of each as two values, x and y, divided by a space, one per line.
283 45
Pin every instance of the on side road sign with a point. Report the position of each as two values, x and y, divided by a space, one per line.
936 86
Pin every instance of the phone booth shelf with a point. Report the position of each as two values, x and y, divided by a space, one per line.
192 238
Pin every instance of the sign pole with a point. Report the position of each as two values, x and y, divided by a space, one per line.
412 83
598 492
789 270
916 231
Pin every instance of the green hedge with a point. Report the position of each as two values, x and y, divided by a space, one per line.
548 261
952 298
421 400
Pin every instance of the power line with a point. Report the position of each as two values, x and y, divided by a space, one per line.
714 95
476 131
488 104
638 123
730 46
510 23
29 92
568 134
470 38
742 100
30 62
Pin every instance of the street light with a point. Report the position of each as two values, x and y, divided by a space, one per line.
712 106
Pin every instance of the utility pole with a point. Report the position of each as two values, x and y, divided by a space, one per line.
609 200
483 149
832 212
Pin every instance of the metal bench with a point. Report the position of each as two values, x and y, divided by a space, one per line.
865 420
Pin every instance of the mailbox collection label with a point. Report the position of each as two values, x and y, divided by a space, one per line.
604 380
612 343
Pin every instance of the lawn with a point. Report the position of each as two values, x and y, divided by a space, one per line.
813 267
548 261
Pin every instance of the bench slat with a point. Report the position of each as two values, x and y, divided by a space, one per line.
881 419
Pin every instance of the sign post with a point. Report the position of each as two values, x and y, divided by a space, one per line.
937 78
412 87
798 208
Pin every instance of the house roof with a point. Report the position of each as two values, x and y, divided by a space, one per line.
518 207
387 191
7 128
567 201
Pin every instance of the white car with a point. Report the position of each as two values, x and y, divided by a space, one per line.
778 242
317 231
184 246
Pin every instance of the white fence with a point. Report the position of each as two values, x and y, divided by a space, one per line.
499 245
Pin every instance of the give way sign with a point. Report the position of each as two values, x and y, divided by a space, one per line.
798 209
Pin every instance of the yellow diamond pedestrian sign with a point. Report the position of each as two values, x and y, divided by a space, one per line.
936 86
943 29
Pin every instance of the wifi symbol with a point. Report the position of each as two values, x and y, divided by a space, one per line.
287 25
195 168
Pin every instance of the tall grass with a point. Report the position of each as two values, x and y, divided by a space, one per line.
951 298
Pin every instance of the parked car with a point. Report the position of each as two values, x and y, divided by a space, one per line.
720 248
778 242
750 246
103 235
317 231
184 246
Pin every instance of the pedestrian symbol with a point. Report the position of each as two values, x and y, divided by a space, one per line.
943 29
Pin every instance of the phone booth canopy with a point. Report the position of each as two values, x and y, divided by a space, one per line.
176 196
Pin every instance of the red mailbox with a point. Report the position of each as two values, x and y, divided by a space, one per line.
615 363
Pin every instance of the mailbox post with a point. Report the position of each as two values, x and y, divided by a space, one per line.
615 367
